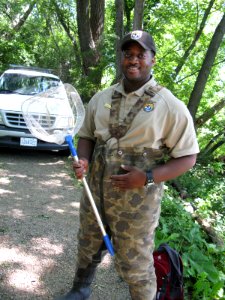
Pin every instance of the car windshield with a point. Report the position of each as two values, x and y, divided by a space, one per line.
26 84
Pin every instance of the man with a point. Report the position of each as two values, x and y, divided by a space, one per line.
135 136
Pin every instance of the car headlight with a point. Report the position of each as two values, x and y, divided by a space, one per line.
1 118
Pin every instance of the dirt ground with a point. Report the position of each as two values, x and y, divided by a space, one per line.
39 205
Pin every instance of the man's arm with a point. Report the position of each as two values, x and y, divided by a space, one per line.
136 178
85 148
174 168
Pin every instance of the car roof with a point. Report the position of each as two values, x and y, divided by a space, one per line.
31 73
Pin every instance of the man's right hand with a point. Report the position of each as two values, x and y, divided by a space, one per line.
80 167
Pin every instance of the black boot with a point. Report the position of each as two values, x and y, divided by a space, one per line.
81 286
83 278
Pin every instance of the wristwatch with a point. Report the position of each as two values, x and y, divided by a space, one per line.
149 177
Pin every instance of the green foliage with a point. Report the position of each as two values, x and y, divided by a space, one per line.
206 185
204 269
173 36
204 265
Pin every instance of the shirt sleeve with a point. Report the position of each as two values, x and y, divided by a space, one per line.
181 138
88 127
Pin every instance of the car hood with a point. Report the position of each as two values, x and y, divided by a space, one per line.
12 101
47 105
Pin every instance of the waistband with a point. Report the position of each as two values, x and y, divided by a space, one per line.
102 149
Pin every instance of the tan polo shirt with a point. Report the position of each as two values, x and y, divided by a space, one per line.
169 123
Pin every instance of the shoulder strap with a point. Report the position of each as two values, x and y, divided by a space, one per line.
119 130
153 90
174 257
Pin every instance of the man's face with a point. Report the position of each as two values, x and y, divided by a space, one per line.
136 63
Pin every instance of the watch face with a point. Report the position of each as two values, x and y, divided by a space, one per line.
149 177
150 180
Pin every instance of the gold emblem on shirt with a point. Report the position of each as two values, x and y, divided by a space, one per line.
107 105
148 107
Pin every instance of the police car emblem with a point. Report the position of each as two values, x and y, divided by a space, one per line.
148 107
136 35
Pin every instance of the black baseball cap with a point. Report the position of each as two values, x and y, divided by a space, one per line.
143 38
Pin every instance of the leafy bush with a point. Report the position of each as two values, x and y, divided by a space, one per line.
204 269
205 185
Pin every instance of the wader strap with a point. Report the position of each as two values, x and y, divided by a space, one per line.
119 129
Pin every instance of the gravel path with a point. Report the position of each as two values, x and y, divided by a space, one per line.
39 206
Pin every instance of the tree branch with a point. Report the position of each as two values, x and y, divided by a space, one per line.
216 142
67 30
23 19
21 22
189 75
196 38
207 64
206 226
209 113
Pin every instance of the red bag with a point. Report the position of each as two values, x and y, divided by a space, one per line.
169 273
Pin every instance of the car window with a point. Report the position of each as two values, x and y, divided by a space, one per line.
25 84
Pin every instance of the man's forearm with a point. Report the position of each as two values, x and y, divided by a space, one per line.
85 148
174 168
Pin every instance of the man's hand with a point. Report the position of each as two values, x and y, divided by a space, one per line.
80 167
133 178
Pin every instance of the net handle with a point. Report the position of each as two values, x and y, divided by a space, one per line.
106 238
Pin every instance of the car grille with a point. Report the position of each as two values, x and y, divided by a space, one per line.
16 120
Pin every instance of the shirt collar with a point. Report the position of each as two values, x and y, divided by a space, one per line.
120 88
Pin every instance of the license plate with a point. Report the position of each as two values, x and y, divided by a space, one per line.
30 142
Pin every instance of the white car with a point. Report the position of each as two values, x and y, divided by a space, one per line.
16 85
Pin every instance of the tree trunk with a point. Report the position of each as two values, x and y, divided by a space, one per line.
138 14
128 7
90 27
87 45
119 5
97 20
206 67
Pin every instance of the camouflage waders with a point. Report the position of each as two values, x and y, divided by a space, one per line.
130 216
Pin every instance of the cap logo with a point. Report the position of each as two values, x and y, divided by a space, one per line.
136 35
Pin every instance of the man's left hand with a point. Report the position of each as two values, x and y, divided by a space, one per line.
133 177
